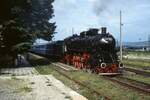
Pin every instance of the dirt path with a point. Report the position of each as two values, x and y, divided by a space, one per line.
35 87
24 83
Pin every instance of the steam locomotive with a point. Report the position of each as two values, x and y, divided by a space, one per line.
94 50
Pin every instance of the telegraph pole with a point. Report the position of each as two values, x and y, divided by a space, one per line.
121 36
149 42
72 31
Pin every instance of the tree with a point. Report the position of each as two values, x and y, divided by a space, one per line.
23 21
37 19
12 30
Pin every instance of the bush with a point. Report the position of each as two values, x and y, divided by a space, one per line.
6 61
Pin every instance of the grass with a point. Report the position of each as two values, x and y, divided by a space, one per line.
105 87
25 89
84 91
140 53
137 63
137 77
68 97
135 59
37 60
14 77
140 78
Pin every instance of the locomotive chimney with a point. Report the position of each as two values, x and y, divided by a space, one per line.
103 30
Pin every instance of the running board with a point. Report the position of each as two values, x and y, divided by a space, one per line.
109 74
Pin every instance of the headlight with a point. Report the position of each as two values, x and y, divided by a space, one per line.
100 60
103 65
121 65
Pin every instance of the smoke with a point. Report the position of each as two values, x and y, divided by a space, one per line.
101 6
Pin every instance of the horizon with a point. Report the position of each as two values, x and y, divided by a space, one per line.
41 41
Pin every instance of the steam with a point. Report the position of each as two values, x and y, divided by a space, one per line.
101 6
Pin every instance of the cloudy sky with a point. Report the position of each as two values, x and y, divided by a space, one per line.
83 14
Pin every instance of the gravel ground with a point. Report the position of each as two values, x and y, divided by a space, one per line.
18 71
35 87
24 83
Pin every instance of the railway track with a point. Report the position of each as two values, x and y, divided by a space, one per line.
132 84
135 81
69 68
129 83
65 67
124 81
140 72
78 82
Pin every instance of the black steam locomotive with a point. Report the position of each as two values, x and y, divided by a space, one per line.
89 50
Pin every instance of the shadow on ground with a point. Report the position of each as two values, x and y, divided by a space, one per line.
39 60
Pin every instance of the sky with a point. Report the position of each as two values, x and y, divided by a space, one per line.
80 15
